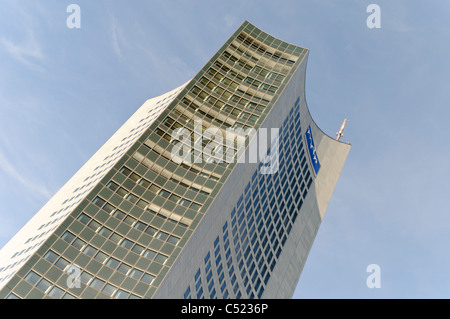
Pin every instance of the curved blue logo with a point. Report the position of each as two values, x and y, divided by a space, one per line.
312 150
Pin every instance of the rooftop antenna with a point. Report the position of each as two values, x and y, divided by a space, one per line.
341 131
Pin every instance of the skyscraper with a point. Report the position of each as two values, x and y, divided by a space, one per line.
213 190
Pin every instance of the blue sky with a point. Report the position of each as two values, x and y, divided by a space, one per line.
64 92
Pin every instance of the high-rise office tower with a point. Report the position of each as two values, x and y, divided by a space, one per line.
213 190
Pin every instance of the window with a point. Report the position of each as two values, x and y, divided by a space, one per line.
197 274
99 202
62 263
142 203
122 191
155 189
134 177
97 284
90 251
132 198
187 292
151 231
138 249
200 293
68 296
253 118
150 254
113 263
83 218
109 289
108 208
144 183
174 198
129 220
32 277
147 278
44 285
140 225
94 225
198 284
164 193
116 238
173 240
113 186
136 274
105 232
121 294
127 243
185 202
86 277
124 268
79 244
125 171
161 258
162 235
50 256
56 292
119 214
68 237
101 257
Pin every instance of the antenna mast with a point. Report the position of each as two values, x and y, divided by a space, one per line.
341 131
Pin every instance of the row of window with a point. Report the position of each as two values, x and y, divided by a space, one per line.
198 171
240 103
144 227
265 73
259 71
58 293
256 96
97 254
154 188
46 286
156 151
17 263
199 148
171 217
260 48
213 114
194 109
140 158
133 222
226 95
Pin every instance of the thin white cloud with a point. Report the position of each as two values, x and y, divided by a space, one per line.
28 52
117 37
6 166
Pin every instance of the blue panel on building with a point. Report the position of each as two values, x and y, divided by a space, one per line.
312 150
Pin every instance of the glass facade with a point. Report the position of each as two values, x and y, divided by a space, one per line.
122 237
